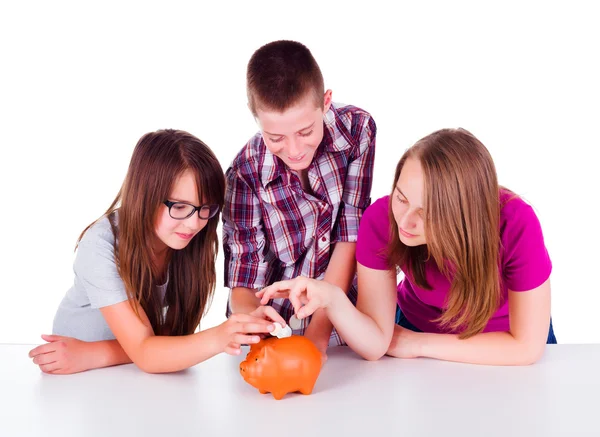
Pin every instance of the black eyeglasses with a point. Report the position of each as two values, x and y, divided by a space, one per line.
182 210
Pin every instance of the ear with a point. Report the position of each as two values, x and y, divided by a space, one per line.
326 101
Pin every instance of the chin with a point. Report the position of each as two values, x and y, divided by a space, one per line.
298 166
411 242
178 245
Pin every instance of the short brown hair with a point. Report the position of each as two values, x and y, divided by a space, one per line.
281 73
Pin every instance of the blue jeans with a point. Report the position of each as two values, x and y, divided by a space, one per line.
403 321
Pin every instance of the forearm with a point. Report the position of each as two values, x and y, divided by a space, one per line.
360 332
107 353
243 300
340 272
493 348
162 354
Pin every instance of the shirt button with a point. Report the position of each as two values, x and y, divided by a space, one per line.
324 239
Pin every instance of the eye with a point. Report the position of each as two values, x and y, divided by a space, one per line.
306 134
179 206
400 199
276 140
255 359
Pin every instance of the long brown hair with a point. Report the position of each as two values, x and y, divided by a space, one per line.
158 159
461 220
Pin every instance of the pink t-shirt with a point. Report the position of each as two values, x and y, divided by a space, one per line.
525 263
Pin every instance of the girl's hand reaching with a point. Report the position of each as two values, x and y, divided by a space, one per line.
306 295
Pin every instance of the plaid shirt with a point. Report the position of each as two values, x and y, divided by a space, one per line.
273 230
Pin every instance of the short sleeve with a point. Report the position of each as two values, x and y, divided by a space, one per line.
526 263
374 236
96 271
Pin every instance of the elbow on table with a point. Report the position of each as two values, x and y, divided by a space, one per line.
529 354
373 354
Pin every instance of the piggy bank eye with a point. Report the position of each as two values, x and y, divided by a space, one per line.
255 359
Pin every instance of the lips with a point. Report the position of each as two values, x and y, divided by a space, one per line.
184 236
297 158
406 234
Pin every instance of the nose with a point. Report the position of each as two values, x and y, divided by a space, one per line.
194 222
294 147
408 219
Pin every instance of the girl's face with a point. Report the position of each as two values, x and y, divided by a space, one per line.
407 204
173 233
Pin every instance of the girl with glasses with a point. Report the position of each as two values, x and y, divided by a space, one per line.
145 271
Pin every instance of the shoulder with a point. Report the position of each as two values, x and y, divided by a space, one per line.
516 213
374 235
351 117
378 210
350 127
249 157
375 222
99 234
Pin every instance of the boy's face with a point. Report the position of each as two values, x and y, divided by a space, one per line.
294 134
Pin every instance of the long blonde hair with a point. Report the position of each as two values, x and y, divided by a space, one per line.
462 215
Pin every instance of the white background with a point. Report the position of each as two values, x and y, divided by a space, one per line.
80 84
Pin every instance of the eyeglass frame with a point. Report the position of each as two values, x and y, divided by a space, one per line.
170 204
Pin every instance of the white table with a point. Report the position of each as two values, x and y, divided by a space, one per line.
559 396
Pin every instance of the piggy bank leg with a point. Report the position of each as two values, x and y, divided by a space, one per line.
262 392
307 389
279 394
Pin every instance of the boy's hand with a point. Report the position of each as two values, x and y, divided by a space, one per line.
62 355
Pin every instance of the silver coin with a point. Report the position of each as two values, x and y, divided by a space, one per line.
295 323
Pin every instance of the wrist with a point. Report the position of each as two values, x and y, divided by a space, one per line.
336 295
243 301
420 344
95 355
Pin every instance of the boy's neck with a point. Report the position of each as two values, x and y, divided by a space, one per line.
304 182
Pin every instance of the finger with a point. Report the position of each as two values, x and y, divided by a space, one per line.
276 290
233 348
274 316
48 358
245 339
233 351
247 318
255 328
42 349
298 290
273 294
51 338
49 368
308 309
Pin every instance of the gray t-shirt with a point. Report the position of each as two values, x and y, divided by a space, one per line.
97 284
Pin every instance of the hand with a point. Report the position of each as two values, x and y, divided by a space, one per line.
311 293
234 332
62 355
405 343
269 314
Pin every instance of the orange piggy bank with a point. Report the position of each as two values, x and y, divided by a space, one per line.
282 365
